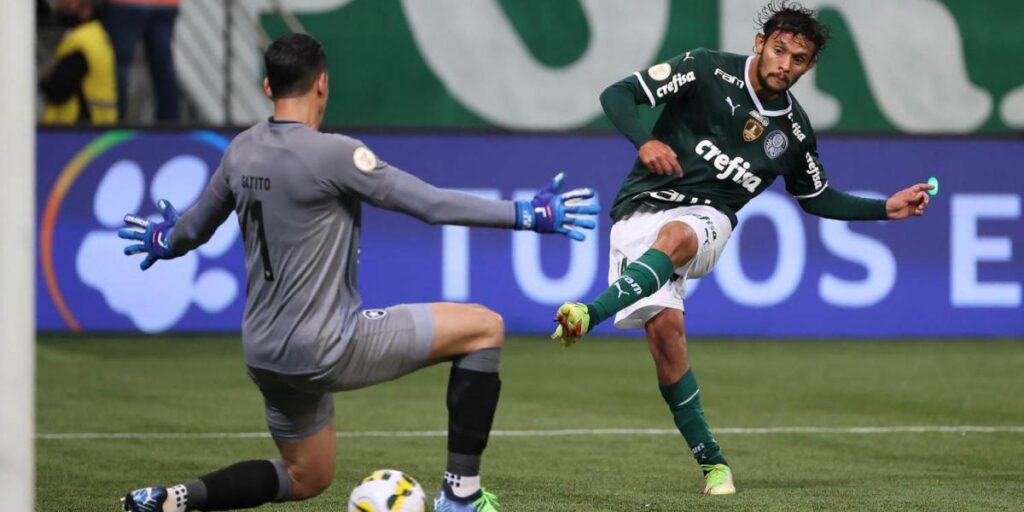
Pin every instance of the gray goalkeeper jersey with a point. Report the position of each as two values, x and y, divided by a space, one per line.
297 193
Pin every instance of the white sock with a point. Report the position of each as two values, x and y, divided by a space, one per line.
462 486
177 499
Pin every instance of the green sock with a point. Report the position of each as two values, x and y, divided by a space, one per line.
683 399
641 278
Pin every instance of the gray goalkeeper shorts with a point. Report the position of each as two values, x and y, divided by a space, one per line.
387 344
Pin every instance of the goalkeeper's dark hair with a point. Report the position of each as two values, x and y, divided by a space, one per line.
292 64
793 18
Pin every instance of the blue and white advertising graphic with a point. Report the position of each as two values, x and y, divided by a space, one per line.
87 182
959 270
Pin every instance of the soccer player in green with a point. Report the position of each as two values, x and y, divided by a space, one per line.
729 128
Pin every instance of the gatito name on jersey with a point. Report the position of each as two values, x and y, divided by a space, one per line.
731 144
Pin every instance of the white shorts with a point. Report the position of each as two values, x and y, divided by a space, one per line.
634 235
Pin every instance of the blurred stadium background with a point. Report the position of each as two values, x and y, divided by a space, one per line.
494 97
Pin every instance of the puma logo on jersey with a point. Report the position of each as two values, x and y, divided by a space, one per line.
729 79
688 57
621 291
814 171
633 285
678 80
737 169
797 131
731 105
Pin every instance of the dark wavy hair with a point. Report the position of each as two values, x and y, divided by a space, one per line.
793 18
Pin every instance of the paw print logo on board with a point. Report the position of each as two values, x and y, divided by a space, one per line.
88 278
180 180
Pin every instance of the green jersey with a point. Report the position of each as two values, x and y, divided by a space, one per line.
731 144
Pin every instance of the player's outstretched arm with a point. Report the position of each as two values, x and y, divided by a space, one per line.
191 229
834 204
909 202
155 237
548 212
552 212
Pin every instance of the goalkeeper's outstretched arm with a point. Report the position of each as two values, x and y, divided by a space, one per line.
198 223
548 212
433 205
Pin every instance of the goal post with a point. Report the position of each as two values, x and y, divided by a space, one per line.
17 257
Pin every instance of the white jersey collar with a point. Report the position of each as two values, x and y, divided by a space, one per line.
757 101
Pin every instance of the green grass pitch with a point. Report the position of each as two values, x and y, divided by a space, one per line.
192 385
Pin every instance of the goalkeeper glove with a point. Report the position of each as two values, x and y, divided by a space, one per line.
551 212
155 237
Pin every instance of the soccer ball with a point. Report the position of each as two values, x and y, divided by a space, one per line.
388 490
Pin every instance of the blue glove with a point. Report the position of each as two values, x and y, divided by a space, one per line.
155 238
551 212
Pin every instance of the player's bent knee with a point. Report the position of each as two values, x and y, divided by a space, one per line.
487 329
665 332
465 328
684 239
678 241
311 469
494 330
308 482
667 324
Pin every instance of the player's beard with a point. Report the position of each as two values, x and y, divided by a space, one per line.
762 79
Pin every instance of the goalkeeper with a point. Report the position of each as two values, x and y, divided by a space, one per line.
729 128
297 193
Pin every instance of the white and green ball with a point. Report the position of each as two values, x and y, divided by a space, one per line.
388 490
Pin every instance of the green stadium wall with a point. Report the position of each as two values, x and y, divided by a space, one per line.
912 66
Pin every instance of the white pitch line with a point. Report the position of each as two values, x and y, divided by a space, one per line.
911 429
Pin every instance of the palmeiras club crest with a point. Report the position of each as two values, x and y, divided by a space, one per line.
775 144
